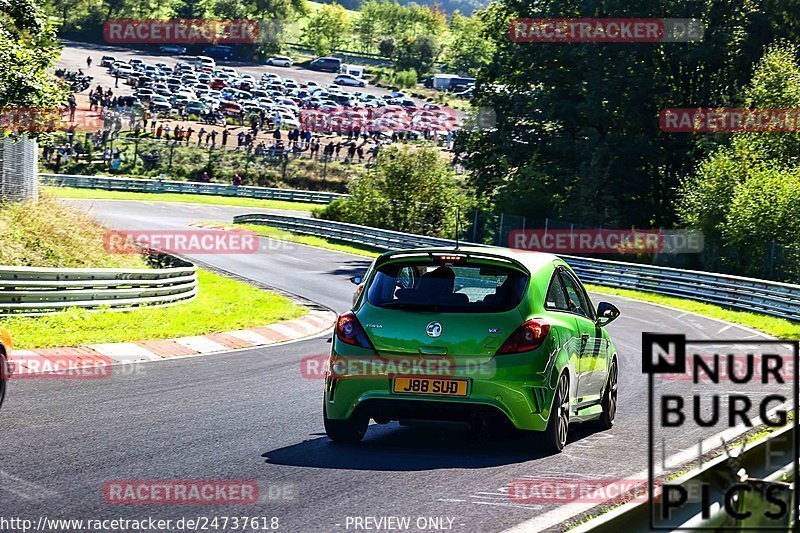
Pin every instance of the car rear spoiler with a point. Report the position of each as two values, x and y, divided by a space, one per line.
433 254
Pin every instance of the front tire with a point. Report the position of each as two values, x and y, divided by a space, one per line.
555 436
349 431
609 403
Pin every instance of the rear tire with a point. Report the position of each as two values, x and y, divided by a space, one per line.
349 431
555 436
609 403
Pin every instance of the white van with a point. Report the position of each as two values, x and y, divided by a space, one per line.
205 63
353 70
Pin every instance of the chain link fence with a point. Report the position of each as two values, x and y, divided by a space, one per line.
18 170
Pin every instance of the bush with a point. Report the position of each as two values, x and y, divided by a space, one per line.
412 190
406 78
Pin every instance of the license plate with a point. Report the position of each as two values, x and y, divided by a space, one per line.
443 387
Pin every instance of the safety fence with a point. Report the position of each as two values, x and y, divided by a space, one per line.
185 187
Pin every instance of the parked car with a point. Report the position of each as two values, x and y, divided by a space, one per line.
197 107
5 365
219 52
467 93
326 64
205 63
280 61
229 108
107 61
524 346
174 49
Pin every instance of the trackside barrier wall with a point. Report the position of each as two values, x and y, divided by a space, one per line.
745 294
40 291
186 187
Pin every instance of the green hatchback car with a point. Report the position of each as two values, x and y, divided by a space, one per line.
474 335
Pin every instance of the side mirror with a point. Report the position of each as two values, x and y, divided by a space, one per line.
356 280
606 313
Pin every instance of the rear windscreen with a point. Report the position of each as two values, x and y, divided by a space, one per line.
426 287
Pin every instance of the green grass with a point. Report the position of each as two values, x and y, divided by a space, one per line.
330 244
223 304
774 326
96 194
48 234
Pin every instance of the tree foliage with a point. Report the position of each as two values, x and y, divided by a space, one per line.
410 190
746 195
327 30
468 50
577 124
28 49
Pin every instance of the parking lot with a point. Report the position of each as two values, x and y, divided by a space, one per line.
175 88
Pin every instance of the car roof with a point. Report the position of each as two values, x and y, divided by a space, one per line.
533 261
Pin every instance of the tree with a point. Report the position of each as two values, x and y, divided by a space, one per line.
580 121
28 50
468 50
416 53
387 47
327 30
412 190
744 196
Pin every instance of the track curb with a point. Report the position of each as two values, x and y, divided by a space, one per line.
95 357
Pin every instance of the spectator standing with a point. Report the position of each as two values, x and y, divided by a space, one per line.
225 134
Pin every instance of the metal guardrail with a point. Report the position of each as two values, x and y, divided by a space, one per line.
745 294
769 459
186 187
38 291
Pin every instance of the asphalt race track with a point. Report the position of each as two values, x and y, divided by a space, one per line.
250 415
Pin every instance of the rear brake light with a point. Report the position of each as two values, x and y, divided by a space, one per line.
349 330
529 336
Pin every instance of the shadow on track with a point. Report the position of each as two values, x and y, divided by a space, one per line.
395 448
355 267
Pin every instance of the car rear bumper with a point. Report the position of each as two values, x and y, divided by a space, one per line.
525 402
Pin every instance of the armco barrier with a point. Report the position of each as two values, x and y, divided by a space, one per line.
39 291
770 459
186 187
746 294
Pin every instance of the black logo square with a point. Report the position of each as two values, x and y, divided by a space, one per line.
663 353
